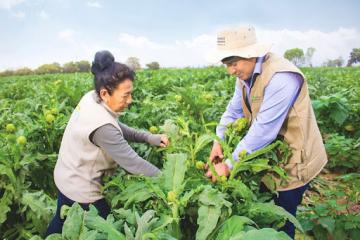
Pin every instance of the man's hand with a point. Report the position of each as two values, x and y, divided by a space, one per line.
221 169
164 141
216 154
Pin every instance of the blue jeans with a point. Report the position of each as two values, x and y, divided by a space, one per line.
57 223
289 200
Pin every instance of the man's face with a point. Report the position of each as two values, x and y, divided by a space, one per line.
242 68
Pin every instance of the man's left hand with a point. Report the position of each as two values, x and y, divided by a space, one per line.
221 169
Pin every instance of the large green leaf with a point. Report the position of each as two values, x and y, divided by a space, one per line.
96 222
207 219
74 223
232 226
269 210
174 171
261 234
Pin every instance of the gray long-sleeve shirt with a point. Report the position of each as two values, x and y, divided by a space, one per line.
115 144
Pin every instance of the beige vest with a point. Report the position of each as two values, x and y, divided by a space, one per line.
299 130
81 164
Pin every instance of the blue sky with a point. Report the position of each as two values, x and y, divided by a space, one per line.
175 33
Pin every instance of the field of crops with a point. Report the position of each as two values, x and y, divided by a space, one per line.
181 203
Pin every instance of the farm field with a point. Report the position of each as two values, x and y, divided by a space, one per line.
182 203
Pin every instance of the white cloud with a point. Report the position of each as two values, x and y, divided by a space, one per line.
94 4
19 14
194 52
138 42
328 45
67 35
8 4
44 15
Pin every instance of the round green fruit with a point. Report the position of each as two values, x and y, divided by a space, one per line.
171 196
349 128
21 140
10 128
49 118
200 165
178 98
222 179
153 129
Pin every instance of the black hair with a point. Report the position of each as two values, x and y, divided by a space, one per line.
108 74
231 59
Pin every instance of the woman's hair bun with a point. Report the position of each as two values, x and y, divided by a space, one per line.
103 59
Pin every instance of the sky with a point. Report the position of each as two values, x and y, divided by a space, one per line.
173 33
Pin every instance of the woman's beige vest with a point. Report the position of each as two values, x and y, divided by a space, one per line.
81 164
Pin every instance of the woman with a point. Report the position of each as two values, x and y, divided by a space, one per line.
95 142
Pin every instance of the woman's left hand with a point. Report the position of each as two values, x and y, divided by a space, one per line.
164 141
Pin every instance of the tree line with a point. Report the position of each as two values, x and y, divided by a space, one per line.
295 55
72 67
301 59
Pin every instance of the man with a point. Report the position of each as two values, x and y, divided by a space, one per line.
273 95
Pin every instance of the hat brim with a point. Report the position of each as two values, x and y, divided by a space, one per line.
254 50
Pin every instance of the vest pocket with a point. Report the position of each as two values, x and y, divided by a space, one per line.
295 166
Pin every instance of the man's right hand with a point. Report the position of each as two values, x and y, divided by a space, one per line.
216 154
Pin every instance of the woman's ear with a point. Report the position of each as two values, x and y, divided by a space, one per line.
104 95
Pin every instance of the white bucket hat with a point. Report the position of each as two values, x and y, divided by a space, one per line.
240 42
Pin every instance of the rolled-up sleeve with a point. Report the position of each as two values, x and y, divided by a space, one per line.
233 111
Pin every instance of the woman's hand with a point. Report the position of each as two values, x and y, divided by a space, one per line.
164 141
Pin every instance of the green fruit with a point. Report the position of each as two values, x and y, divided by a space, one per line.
240 124
153 129
222 179
208 97
10 128
54 111
349 128
49 118
171 196
242 153
21 140
178 98
200 165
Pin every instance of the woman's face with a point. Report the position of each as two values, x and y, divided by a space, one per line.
120 98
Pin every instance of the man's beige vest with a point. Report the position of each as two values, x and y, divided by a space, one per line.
299 130
81 164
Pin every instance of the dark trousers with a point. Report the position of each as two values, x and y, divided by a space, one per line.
57 223
289 200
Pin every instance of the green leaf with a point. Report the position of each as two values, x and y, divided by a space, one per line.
207 219
232 226
5 202
201 142
239 189
328 223
174 171
259 165
144 223
74 223
210 196
261 234
270 209
269 183
55 236
96 222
